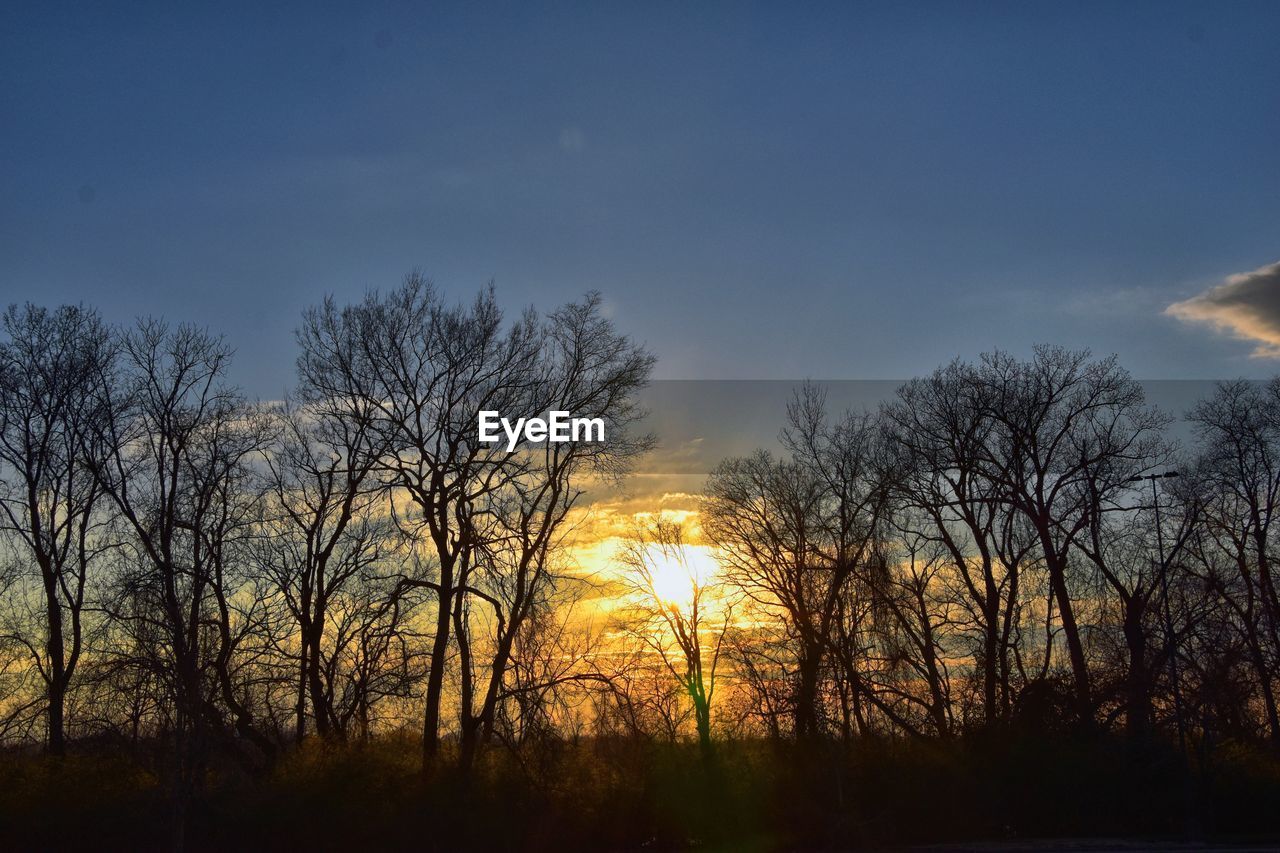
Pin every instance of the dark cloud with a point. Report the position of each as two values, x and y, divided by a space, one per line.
1246 306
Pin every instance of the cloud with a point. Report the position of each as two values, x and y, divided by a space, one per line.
1246 306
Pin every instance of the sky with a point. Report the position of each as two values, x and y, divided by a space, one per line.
764 191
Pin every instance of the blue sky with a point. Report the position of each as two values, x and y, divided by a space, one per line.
760 191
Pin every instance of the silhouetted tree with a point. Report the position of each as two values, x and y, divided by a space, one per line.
327 524
1238 484
491 518
792 533
938 429
179 475
1068 434
671 614
49 499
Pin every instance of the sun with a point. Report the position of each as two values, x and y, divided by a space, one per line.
677 572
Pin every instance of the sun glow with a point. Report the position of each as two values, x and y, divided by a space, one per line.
678 572
632 563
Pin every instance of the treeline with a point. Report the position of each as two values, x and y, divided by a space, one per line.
1010 546
1007 547
212 579
205 584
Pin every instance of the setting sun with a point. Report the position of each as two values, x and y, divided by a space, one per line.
678 571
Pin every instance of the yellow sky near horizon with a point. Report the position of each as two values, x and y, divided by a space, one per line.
601 527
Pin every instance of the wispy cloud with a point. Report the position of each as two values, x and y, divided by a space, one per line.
1246 306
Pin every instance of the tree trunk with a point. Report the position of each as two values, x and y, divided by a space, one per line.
806 713
702 713
1138 680
57 685
435 676
319 702
1264 680
1075 648
57 703
991 654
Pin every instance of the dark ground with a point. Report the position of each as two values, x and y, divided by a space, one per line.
1030 795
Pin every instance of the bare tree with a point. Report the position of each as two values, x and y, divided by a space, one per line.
180 477
1238 483
1068 434
793 533
909 617
425 370
49 498
327 524
520 520
672 614
1135 570
938 429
